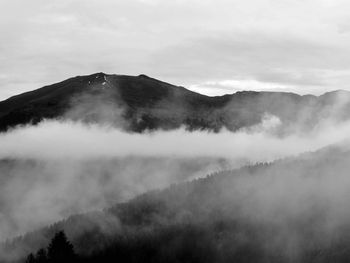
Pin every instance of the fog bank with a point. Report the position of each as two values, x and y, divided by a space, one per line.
75 140
58 168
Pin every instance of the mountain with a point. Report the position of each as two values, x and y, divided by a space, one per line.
138 103
291 210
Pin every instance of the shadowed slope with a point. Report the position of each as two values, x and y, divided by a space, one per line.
138 103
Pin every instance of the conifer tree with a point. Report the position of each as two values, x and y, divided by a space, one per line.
60 249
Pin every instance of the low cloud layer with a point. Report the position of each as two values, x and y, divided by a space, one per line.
74 140
55 169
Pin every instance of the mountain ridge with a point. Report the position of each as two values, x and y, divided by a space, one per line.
151 104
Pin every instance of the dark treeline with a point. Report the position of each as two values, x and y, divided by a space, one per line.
225 217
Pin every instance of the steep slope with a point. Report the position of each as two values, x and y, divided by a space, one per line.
140 103
292 210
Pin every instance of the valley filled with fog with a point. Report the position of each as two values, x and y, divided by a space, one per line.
186 131
95 156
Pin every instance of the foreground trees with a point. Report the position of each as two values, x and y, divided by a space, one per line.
59 250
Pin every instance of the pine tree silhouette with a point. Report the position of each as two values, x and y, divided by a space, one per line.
60 249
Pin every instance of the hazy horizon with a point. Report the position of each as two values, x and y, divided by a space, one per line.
202 89
211 47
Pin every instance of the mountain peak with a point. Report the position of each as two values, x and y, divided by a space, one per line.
144 76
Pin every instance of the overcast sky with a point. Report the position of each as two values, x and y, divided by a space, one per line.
211 46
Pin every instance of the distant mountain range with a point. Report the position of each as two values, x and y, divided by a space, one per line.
139 103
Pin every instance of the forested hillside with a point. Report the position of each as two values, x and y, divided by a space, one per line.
244 215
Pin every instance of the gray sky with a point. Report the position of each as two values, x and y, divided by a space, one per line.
210 46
